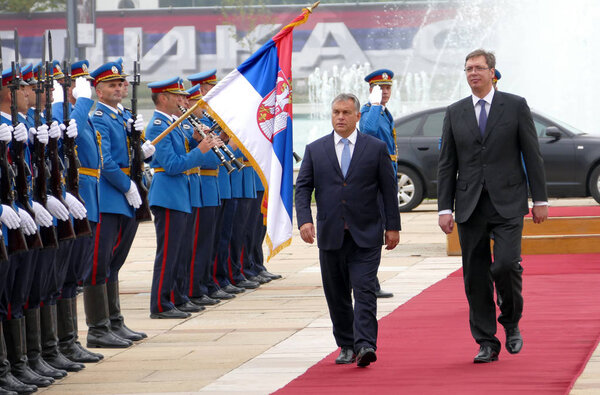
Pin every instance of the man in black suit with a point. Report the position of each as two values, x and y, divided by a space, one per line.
348 170
489 141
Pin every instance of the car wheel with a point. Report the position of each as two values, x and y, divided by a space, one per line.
410 189
594 183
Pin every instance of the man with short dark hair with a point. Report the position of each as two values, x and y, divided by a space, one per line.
482 176
348 171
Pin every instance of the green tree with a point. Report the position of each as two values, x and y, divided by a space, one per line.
32 5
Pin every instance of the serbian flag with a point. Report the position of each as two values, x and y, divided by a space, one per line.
253 104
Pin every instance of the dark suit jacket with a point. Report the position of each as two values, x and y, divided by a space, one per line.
468 161
353 200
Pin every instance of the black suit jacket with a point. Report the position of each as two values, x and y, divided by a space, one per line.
468 161
352 200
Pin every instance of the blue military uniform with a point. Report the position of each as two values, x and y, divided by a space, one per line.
170 201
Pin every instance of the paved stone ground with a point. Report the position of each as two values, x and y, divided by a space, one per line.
261 340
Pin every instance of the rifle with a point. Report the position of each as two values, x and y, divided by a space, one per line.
196 123
6 195
217 129
136 172
40 170
82 226
64 228
17 151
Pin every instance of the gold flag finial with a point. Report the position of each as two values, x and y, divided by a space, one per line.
312 7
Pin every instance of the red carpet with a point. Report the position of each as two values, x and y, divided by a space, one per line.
425 346
572 211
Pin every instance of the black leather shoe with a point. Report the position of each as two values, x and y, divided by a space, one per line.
232 289
346 356
204 300
365 356
174 313
486 354
514 341
10 383
383 294
272 276
7 392
189 307
259 279
221 295
245 283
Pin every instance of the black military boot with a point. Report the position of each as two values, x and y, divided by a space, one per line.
50 351
66 333
7 381
117 322
76 332
95 302
14 335
34 346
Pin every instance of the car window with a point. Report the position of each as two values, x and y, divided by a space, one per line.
433 124
540 127
406 129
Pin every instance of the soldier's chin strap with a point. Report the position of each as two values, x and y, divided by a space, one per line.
176 123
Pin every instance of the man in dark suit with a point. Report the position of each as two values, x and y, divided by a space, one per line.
488 142
348 170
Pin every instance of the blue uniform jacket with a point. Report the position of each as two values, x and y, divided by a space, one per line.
249 183
88 150
378 122
237 178
115 154
210 183
171 187
259 185
195 185
224 181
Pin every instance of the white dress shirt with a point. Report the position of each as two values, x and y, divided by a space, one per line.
339 145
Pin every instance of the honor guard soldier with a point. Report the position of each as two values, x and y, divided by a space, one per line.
376 120
170 195
88 151
119 198
202 284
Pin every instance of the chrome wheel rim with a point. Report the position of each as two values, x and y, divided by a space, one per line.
406 190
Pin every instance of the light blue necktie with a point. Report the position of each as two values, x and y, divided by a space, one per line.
482 117
345 156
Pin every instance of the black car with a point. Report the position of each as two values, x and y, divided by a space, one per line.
571 157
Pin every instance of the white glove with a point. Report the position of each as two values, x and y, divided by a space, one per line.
5 133
27 223
20 133
57 209
375 95
41 133
76 209
54 131
82 88
148 148
133 196
9 217
138 124
57 93
71 129
42 216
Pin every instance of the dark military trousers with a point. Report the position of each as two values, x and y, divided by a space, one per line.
20 272
221 272
254 237
80 262
200 274
238 237
184 262
57 272
170 237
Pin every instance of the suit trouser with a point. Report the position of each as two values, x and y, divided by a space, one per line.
351 269
237 247
221 272
179 295
113 237
201 280
81 259
170 236
480 273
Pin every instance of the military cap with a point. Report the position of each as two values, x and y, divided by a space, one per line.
7 77
194 93
497 75
119 62
36 72
81 69
205 77
171 85
380 77
27 74
107 72
57 72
